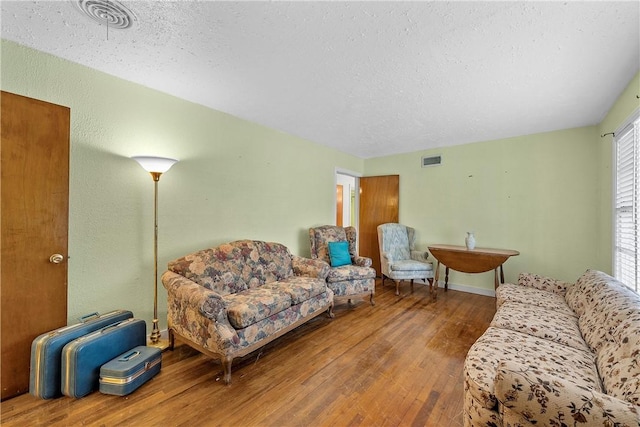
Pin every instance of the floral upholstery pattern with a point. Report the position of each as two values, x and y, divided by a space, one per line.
558 326
538 364
347 281
529 396
230 300
531 296
399 259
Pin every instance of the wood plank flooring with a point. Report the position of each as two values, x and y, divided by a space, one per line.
398 363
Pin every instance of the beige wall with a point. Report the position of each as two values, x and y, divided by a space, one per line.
547 195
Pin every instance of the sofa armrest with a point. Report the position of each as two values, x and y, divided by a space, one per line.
362 261
537 398
419 255
309 267
543 283
207 302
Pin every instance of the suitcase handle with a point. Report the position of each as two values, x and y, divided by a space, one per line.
113 325
87 317
129 356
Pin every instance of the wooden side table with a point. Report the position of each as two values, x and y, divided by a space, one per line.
478 260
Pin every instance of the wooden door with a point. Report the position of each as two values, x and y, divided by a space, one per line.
339 204
34 163
379 198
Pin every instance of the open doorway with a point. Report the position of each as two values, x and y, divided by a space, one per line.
346 201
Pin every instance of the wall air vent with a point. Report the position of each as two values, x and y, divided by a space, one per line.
431 161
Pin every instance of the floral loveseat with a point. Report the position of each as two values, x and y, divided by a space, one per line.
233 299
557 354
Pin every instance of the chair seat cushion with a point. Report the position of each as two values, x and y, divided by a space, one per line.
350 272
253 305
352 287
410 265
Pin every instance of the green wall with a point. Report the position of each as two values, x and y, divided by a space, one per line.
235 180
546 195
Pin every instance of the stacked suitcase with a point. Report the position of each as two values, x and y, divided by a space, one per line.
68 360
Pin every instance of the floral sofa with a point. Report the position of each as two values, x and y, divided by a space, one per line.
230 300
557 354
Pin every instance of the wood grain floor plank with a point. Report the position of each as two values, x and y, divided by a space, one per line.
398 363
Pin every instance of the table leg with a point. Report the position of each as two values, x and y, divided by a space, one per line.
446 279
501 274
496 282
436 279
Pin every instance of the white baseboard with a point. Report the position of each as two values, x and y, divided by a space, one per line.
464 288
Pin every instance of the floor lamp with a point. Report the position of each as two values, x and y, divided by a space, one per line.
156 166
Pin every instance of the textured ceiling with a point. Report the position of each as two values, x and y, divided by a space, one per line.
368 78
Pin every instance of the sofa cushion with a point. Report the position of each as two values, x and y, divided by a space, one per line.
298 288
252 305
581 296
531 296
279 321
619 359
501 345
557 326
543 283
611 304
236 266
218 269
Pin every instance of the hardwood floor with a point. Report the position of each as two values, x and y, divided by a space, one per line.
398 363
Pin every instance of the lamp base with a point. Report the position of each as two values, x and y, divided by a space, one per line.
162 344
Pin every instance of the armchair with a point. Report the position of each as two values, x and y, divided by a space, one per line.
355 278
399 260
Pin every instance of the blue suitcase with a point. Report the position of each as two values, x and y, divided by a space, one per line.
127 372
83 357
46 351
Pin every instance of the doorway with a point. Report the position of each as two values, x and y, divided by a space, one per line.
346 199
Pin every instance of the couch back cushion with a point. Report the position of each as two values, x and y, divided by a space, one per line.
580 296
607 306
234 267
619 359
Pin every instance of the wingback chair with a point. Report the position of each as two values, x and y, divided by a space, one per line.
351 275
399 260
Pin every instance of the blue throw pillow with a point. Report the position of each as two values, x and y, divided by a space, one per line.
339 254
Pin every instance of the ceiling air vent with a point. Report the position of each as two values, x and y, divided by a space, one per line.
431 161
111 13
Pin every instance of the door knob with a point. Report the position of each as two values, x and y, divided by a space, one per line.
56 258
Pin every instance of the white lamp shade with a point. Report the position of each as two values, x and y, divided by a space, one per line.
155 164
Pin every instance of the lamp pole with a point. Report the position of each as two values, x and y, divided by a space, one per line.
155 332
156 166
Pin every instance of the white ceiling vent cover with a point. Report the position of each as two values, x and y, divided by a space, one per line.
107 12
431 161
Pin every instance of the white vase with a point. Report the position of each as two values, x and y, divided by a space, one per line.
470 240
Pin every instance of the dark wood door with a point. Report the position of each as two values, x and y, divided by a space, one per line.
34 162
379 198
